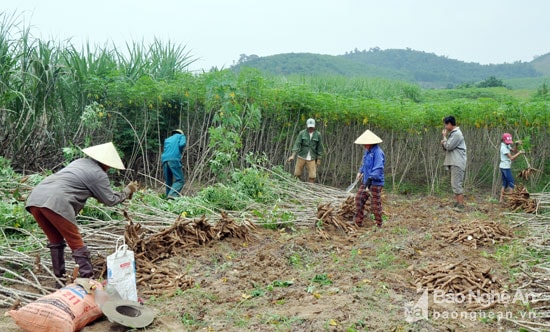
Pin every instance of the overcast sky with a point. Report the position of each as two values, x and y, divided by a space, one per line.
218 31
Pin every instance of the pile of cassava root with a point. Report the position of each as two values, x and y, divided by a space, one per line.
340 218
465 279
520 199
476 233
150 247
183 234
347 209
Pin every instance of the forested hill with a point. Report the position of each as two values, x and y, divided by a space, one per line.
427 69
542 64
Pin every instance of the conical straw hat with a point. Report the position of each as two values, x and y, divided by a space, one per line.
368 137
105 154
128 313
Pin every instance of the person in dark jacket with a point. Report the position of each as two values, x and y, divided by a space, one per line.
309 148
59 198
372 174
171 163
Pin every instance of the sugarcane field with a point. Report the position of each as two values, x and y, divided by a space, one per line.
138 194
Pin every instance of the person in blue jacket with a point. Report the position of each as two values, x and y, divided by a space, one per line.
372 174
171 163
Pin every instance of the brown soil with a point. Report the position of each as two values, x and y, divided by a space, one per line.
283 280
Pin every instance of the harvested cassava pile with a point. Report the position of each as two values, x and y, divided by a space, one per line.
150 247
347 208
184 233
155 280
473 281
475 234
527 173
338 219
520 199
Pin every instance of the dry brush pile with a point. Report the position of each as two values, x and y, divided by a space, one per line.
534 275
476 233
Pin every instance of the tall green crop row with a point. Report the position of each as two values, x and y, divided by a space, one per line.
54 96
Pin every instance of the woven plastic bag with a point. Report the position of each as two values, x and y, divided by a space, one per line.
121 271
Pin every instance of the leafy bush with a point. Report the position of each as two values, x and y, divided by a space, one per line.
12 203
224 198
193 206
274 217
253 183
13 214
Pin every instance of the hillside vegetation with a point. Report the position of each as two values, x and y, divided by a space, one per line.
427 69
542 64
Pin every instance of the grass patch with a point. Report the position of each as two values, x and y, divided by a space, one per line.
187 319
509 255
281 322
322 279
383 259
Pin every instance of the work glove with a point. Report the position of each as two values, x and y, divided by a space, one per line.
130 189
368 183
318 162
291 158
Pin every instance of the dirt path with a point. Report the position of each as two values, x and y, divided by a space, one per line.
296 280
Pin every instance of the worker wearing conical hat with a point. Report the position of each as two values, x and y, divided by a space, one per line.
59 198
309 149
372 174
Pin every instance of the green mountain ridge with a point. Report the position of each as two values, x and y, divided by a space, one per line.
427 69
542 64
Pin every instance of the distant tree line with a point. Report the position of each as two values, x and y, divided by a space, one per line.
427 69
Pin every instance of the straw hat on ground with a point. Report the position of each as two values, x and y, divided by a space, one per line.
128 313
368 137
105 154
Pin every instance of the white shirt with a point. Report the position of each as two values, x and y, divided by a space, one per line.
505 161
308 157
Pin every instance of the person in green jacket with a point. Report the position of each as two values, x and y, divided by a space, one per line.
309 149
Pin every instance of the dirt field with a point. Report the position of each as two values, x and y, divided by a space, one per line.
296 280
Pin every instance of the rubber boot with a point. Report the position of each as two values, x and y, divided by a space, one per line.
57 251
82 258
